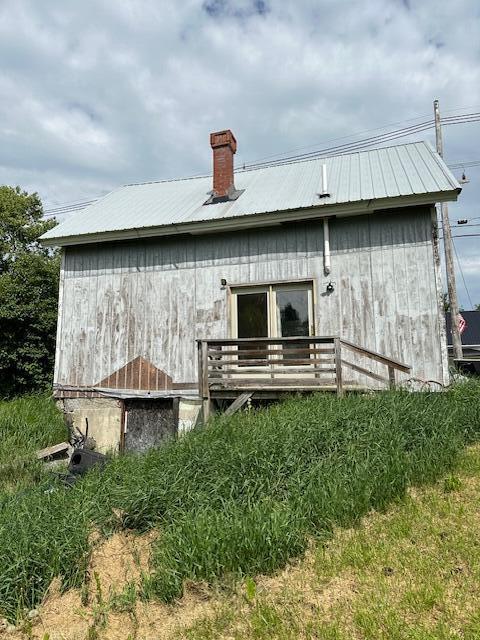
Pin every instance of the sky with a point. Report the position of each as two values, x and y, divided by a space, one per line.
98 93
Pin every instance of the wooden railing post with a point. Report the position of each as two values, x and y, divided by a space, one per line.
338 366
391 377
203 388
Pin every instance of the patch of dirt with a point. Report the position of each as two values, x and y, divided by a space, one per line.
298 587
118 561
81 614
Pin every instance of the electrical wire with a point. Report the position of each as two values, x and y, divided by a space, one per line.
463 235
65 208
464 165
368 142
355 146
461 226
392 124
461 273
72 206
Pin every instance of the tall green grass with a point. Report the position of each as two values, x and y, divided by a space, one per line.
26 424
243 495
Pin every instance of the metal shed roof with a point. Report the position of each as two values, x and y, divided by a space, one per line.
390 176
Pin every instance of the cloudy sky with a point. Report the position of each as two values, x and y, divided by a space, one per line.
98 93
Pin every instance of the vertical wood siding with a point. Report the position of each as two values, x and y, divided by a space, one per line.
153 298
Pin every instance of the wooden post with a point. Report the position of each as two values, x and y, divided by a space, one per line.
200 368
448 247
338 366
203 378
391 377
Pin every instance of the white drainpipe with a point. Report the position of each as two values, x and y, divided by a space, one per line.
327 267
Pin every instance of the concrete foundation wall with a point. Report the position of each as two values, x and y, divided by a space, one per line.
149 422
188 414
104 417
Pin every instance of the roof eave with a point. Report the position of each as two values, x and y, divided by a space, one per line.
270 218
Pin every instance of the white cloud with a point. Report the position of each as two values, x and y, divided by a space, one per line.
100 93
471 265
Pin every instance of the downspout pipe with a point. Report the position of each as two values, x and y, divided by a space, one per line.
327 267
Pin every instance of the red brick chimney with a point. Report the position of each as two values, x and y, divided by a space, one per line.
224 146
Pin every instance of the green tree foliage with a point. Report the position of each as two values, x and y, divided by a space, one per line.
28 294
446 302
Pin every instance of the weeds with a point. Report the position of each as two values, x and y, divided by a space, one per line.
26 424
243 495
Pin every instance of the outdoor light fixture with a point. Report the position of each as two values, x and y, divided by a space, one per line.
330 287
223 282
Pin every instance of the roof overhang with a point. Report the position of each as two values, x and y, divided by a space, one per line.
248 221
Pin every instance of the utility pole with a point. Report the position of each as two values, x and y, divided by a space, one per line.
448 245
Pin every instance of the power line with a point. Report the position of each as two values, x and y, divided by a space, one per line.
464 226
74 204
368 142
351 145
461 273
464 165
61 209
352 135
72 207
61 204
464 235
358 133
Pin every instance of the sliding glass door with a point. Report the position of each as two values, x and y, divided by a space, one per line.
273 311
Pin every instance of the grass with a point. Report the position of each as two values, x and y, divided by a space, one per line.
26 424
243 496
410 573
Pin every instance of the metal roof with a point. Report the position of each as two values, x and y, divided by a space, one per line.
412 169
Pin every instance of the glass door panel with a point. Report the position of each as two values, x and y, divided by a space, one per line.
294 316
252 315
252 320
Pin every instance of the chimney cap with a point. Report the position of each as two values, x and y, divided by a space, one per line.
223 139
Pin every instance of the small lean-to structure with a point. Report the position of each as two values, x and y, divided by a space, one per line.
319 274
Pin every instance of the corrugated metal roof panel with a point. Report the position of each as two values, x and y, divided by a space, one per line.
402 170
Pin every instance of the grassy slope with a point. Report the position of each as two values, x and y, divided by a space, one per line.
241 497
26 424
411 573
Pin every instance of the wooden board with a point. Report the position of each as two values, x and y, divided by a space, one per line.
55 449
238 403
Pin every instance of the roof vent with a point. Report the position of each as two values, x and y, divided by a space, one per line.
324 193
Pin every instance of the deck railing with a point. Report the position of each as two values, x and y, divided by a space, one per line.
298 363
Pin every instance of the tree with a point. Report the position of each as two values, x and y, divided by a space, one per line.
446 302
476 307
29 276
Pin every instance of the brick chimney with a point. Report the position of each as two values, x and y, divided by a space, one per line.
224 146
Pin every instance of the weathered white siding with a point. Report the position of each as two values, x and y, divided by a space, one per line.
153 298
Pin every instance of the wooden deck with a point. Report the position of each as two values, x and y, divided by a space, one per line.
269 367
